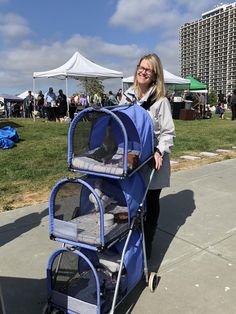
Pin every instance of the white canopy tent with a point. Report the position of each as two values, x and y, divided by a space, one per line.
25 94
78 67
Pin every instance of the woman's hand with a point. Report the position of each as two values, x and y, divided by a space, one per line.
158 160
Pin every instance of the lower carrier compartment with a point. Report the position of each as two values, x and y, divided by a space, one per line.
84 281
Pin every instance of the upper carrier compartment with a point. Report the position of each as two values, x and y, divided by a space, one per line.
110 142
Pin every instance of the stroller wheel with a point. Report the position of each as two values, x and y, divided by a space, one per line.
152 281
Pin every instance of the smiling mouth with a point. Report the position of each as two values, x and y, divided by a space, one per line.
143 76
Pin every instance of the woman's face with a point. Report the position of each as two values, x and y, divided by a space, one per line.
145 74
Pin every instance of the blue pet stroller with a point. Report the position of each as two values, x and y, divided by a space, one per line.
98 216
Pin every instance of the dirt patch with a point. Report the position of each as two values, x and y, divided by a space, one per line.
27 199
32 198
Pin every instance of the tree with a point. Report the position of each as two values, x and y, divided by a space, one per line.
212 98
92 86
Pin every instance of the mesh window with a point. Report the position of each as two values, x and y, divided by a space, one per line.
95 130
77 213
72 276
68 277
67 201
98 144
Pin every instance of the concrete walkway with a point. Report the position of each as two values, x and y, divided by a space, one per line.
194 249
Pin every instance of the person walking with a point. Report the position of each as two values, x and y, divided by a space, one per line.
29 105
61 106
119 95
148 91
50 104
233 104
40 104
112 99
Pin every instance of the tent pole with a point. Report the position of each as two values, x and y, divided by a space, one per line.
67 96
34 97
86 92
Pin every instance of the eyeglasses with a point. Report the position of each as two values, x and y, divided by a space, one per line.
142 69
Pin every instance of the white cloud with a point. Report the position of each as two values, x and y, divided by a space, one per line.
139 16
13 26
168 51
165 14
20 62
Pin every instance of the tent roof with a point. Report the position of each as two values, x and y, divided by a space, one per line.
195 84
79 67
25 94
169 78
7 97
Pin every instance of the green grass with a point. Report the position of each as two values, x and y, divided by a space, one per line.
36 163
204 135
40 158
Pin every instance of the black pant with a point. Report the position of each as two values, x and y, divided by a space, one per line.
233 108
153 207
51 113
152 215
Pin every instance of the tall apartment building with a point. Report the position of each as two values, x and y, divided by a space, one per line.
208 48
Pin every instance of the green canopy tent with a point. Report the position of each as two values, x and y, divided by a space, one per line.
195 85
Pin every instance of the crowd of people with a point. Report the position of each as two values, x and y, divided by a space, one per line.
54 107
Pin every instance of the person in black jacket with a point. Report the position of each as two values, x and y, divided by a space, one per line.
61 105
233 104
29 105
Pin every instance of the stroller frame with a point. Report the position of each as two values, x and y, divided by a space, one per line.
151 279
59 302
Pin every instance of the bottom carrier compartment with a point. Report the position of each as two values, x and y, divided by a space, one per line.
93 211
84 281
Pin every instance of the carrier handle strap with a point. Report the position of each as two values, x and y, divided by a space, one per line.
148 103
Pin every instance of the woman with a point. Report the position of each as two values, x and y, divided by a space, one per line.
149 91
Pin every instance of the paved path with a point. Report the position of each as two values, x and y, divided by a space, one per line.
194 249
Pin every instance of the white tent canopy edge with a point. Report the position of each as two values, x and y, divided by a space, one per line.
78 67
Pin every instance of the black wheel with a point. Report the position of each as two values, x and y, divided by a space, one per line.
152 281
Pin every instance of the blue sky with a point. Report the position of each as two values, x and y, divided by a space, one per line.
42 35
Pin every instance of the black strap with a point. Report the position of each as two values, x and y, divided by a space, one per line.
148 103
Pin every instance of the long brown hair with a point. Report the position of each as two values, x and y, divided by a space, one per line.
158 81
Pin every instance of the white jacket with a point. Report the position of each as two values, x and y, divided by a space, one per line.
164 132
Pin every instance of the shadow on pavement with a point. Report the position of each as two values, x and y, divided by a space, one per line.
29 295
175 209
21 295
13 230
